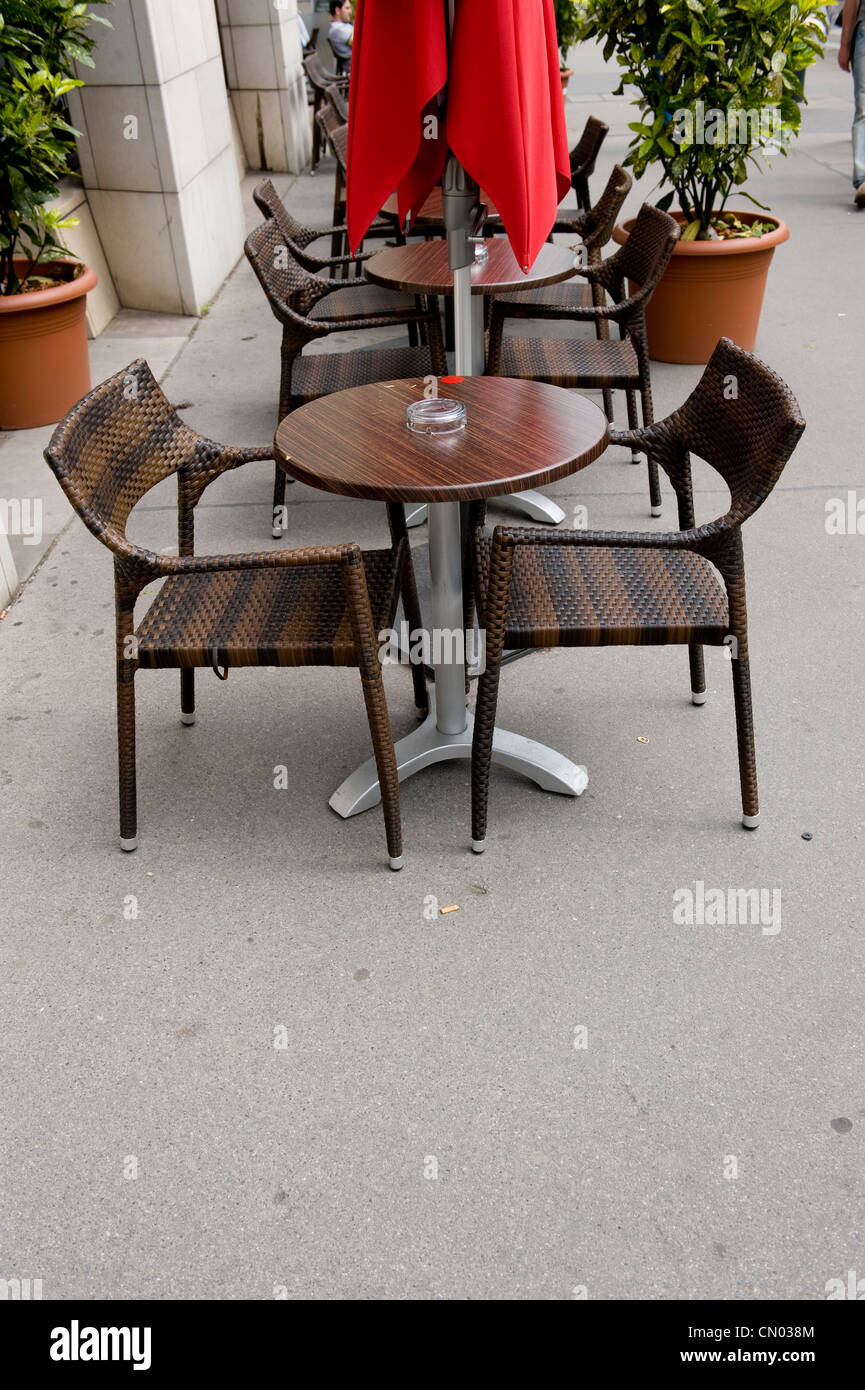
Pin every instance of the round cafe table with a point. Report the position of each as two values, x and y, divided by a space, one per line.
356 443
422 268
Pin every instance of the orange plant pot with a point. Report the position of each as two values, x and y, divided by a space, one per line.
710 290
44 364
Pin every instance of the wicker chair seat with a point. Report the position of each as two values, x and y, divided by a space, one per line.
263 617
324 372
362 301
586 596
587 363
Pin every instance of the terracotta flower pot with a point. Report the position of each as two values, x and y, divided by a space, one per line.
565 74
44 365
710 290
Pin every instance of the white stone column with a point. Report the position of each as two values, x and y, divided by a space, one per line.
156 154
8 572
262 50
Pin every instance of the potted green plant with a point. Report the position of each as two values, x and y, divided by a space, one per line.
719 87
44 365
569 23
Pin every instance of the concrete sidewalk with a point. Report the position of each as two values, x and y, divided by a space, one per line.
246 1059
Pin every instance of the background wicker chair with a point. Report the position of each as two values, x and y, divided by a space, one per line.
595 228
538 588
338 100
307 308
319 80
615 364
583 159
322 606
299 237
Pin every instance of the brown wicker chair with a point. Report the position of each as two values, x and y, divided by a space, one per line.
319 80
595 227
365 300
583 158
322 606
538 588
617 364
308 308
338 100
334 135
299 237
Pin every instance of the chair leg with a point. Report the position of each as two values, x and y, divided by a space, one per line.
126 755
654 479
642 349
602 333
745 737
286 365
369 664
698 675
482 748
410 601
633 421
187 697
411 604
279 482
316 133
385 761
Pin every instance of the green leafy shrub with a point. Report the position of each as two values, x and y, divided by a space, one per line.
40 42
569 25
719 87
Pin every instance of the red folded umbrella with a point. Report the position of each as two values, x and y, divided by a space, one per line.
505 115
398 65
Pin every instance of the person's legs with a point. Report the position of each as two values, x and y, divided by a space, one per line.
858 67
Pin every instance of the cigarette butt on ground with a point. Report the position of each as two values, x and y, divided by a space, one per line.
455 907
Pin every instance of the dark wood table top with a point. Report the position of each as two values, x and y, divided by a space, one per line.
432 210
518 434
422 268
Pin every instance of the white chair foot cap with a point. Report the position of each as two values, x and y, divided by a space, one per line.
129 845
751 822
699 697
635 458
276 532
187 718
396 862
657 511
478 846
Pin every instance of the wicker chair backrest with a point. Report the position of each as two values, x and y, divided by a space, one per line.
118 442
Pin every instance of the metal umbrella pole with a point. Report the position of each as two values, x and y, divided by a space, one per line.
447 731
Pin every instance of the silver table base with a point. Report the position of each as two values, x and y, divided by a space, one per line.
531 503
427 744
447 731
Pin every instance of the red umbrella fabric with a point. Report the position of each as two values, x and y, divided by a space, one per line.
505 114
398 65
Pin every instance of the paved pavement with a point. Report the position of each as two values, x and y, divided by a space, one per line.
248 1059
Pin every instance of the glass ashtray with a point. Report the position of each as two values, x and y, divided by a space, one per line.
436 416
